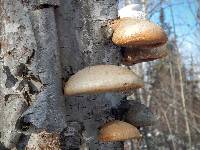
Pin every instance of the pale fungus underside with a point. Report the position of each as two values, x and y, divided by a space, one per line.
118 131
102 78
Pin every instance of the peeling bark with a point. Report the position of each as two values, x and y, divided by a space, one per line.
13 107
29 69
17 45
48 111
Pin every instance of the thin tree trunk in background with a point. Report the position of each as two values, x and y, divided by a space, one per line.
172 75
171 68
164 112
174 96
178 61
184 103
192 89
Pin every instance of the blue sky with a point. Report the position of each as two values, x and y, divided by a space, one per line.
185 24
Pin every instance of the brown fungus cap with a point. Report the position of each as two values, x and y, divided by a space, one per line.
102 78
118 131
129 32
133 56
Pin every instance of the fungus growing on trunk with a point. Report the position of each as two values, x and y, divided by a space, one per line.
138 33
139 115
102 78
133 56
135 113
118 131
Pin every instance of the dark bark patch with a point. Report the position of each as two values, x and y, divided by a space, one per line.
70 137
27 98
23 141
30 58
32 88
22 85
6 98
11 80
43 6
22 70
24 1
35 78
24 124
2 147
22 28
9 52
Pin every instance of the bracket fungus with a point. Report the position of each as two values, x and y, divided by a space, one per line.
139 115
135 113
140 33
118 131
102 78
133 56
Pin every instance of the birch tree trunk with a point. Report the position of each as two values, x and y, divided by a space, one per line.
44 42
186 118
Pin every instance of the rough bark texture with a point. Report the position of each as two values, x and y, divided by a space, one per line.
17 46
30 70
48 111
82 44
31 73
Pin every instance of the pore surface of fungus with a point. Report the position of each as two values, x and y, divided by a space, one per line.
136 55
118 131
129 32
102 78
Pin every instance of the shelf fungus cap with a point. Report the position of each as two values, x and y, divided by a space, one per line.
102 78
139 115
129 32
131 56
118 131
